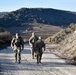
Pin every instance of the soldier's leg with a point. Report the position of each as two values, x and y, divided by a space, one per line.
35 53
19 56
40 57
32 52
37 58
15 55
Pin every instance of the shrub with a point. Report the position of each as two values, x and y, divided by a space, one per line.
5 39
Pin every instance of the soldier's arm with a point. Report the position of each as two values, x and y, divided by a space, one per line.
22 43
12 42
30 42
44 46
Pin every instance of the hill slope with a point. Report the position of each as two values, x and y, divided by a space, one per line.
49 16
61 35
3 13
66 39
67 49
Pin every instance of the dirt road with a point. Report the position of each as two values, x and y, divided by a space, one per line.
51 64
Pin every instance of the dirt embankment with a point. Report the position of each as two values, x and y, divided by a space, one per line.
67 48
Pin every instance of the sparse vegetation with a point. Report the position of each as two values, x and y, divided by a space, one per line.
38 15
58 37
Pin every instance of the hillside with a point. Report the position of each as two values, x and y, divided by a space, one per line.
66 40
67 48
40 29
61 35
49 16
2 14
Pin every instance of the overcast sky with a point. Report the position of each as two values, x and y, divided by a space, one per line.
11 5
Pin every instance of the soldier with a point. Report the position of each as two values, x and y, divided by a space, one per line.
17 44
32 41
39 47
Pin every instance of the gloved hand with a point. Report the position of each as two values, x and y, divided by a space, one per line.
22 48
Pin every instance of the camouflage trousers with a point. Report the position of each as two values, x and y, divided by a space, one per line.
17 55
33 52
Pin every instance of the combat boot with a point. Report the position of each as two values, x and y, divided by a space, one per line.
15 61
19 62
32 56
40 61
37 62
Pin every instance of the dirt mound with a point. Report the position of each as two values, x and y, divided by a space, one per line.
67 48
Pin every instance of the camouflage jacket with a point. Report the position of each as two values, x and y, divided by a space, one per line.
17 43
32 40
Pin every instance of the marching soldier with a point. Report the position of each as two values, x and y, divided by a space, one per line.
17 44
39 47
32 41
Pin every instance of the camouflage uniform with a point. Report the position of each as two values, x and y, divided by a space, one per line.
39 46
17 48
32 41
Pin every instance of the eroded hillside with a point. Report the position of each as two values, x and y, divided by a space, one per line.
67 48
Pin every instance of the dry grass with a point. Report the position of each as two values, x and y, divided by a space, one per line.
40 30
